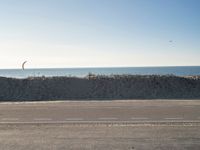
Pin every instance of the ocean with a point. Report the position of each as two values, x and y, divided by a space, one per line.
81 72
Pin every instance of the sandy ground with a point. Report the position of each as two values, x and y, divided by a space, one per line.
99 137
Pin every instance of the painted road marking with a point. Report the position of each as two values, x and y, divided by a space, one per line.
73 119
139 118
111 107
102 121
107 118
42 119
106 107
175 118
189 106
10 119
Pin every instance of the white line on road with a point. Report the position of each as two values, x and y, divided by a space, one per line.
113 107
102 107
102 121
73 119
108 118
42 119
139 118
9 119
189 106
175 118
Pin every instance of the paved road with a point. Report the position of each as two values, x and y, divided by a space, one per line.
150 111
132 125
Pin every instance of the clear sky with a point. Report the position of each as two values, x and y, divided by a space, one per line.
99 33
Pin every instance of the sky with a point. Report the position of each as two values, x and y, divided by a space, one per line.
99 33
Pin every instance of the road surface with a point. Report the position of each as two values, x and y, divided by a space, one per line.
141 111
113 125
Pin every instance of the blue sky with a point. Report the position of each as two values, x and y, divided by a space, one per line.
99 33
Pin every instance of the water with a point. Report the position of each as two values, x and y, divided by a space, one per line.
81 72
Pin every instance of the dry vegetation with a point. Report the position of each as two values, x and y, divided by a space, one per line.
100 87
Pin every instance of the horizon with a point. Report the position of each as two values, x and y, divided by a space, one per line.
98 67
99 34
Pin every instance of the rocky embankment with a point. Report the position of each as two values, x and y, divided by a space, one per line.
100 88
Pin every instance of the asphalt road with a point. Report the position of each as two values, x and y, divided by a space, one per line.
113 125
134 111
